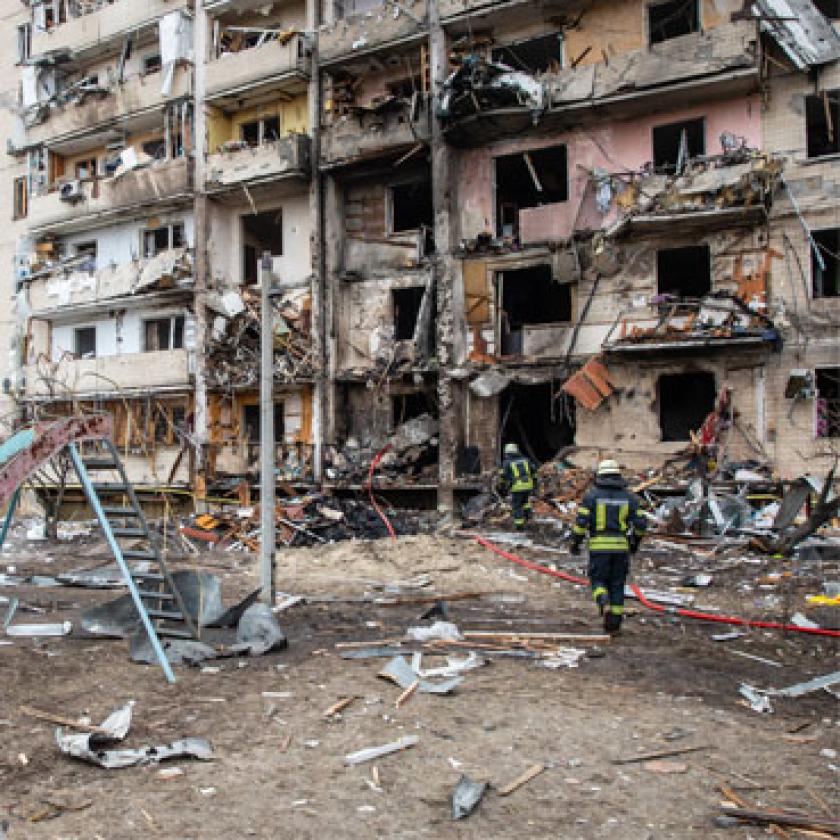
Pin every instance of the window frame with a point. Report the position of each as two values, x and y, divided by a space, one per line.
646 22
77 331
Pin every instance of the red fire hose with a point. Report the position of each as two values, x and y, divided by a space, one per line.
699 616
373 465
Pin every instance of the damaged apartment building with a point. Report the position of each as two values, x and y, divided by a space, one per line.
561 223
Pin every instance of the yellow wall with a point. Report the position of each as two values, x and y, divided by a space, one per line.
293 115
614 28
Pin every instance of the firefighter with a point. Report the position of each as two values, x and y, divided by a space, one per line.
609 515
519 475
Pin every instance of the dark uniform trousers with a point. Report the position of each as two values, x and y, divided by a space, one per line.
608 572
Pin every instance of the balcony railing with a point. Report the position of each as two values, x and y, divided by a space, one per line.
71 203
284 158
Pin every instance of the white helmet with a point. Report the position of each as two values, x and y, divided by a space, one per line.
609 467
511 449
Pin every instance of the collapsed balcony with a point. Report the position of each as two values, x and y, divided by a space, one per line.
384 26
717 321
239 163
393 125
233 360
485 97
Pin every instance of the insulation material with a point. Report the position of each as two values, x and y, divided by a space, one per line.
591 385
800 29
176 35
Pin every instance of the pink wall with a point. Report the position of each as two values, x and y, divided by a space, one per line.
615 148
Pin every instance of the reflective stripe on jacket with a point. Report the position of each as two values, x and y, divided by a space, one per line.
519 474
609 514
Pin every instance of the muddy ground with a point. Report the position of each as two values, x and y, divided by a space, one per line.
278 768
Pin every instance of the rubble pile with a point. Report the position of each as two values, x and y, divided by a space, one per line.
234 351
310 520
410 455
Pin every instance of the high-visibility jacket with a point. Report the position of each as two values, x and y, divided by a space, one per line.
519 473
609 515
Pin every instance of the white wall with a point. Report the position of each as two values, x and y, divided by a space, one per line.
115 336
122 243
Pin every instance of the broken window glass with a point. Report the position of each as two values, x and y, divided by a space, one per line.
675 143
155 148
535 418
84 342
88 250
164 333
826 279
162 238
411 206
530 297
150 64
529 179
685 272
543 54
822 113
685 400
261 232
86 169
24 42
672 18
405 407
249 132
406 304
828 402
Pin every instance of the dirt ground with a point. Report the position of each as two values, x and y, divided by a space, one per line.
278 769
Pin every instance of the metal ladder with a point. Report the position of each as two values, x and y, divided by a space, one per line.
156 597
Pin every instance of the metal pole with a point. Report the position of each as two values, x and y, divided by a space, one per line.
10 512
267 446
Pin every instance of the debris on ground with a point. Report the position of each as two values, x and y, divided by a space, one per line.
372 753
466 797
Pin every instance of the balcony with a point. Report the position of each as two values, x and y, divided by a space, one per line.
286 158
369 135
141 371
454 10
82 36
485 102
62 289
384 27
282 65
138 96
166 182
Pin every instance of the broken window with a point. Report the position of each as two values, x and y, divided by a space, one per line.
538 418
150 64
411 206
86 169
530 297
155 148
406 310
543 54
251 424
830 8
256 132
529 179
822 123
84 342
675 143
685 272
685 400
672 18
162 238
826 279
163 333
21 196
24 42
261 232
405 407
88 251
828 402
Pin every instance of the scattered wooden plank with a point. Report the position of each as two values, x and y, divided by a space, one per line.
63 721
285 744
832 826
730 794
408 693
523 779
339 706
580 638
661 754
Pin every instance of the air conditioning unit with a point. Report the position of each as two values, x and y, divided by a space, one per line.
71 192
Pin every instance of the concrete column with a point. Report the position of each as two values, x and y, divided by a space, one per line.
444 201
333 236
201 239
